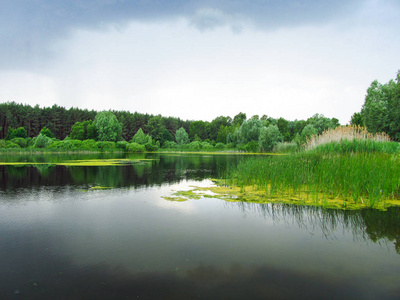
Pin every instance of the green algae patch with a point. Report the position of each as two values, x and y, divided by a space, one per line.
175 198
82 163
253 194
101 162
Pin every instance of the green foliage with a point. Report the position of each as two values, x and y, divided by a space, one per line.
135 147
250 147
381 109
156 128
308 131
182 136
220 146
357 120
321 123
199 129
206 146
20 132
83 131
269 137
193 146
140 137
42 141
106 145
11 145
22 142
239 118
108 127
151 147
46 132
122 145
89 145
250 131
170 145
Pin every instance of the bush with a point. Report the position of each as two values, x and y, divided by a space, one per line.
250 147
206 146
122 145
151 147
220 146
89 145
22 142
135 147
170 145
42 141
105 145
194 146
11 145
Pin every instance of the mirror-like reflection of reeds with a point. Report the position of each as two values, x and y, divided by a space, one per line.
364 225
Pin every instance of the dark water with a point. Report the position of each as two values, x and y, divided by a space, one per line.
59 239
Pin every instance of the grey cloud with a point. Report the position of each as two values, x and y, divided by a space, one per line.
28 27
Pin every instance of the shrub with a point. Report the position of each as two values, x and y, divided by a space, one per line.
151 147
206 146
42 141
170 145
11 145
105 145
22 142
135 147
89 145
220 146
122 145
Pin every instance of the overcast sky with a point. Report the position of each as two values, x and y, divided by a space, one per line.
199 59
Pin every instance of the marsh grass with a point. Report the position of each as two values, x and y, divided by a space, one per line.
351 139
348 181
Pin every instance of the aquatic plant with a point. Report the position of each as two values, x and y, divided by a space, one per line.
344 133
347 181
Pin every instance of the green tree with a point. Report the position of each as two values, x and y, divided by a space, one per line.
182 136
250 131
356 119
107 126
156 128
46 131
198 128
20 132
140 137
239 118
269 137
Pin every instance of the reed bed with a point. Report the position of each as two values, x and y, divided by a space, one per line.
346 134
342 181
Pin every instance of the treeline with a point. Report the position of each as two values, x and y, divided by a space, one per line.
79 124
381 109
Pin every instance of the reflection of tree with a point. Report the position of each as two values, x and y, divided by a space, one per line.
369 224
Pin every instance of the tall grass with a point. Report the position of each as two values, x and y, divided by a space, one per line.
364 179
350 138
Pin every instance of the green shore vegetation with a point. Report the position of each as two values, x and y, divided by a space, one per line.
329 165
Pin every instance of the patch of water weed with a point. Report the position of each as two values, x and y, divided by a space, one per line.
82 163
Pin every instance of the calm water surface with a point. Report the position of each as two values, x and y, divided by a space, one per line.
61 239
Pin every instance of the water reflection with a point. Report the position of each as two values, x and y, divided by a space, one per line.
159 169
59 242
368 224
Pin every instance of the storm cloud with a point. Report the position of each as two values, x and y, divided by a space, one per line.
28 28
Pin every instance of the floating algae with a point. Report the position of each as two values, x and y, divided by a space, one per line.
252 194
82 163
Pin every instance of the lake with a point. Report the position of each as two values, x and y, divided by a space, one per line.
106 232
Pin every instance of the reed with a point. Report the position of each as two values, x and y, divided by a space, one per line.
345 181
346 134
